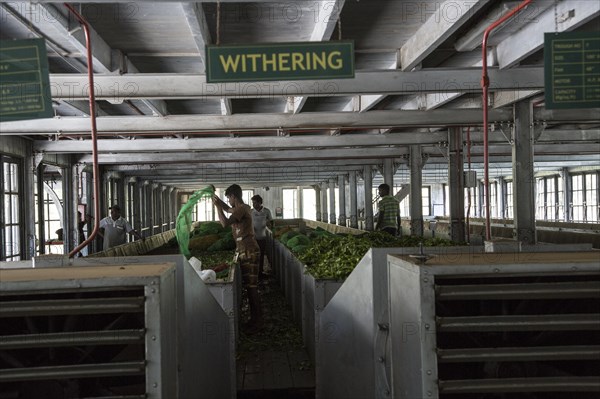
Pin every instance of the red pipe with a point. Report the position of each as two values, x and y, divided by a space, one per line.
92 99
485 83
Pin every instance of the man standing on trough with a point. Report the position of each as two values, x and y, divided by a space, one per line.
247 251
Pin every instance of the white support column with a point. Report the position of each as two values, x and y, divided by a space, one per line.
324 214
368 178
318 201
502 208
416 199
146 215
332 216
388 173
300 206
137 204
342 194
164 208
353 200
173 208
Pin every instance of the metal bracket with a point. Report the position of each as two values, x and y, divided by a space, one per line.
504 127
37 159
281 132
424 157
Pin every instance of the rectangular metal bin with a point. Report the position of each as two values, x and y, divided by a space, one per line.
83 300
495 324
229 295
316 294
351 333
279 255
206 355
294 274
289 271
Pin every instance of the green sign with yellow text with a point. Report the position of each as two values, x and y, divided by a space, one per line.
280 61
24 80
572 70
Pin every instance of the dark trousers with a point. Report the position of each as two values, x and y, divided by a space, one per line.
393 231
262 244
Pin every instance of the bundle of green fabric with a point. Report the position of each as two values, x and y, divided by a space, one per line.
184 219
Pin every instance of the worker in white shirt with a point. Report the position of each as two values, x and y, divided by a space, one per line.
114 227
261 219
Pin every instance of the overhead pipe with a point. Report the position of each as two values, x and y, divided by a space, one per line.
485 83
92 100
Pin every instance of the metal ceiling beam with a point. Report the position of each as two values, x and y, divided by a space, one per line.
226 106
249 122
327 17
508 97
70 31
436 158
82 107
169 170
248 156
366 102
474 37
591 136
104 58
241 143
450 15
196 20
304 121
384 82
176 164
12 9
559 135
531 38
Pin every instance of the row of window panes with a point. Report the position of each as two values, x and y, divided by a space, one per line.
550 203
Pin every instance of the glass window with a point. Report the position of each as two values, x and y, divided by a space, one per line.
446 200
540 209
375 200
53 203
494 199
560 199
551 198
426 198
309 204
473 208
509 200
11 211
404 207
591 197
246 195
290 203
577 205
204 210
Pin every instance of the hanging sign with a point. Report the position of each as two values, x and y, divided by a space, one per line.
280 61
572 70
24 81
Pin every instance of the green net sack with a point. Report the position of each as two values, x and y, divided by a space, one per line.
184 219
